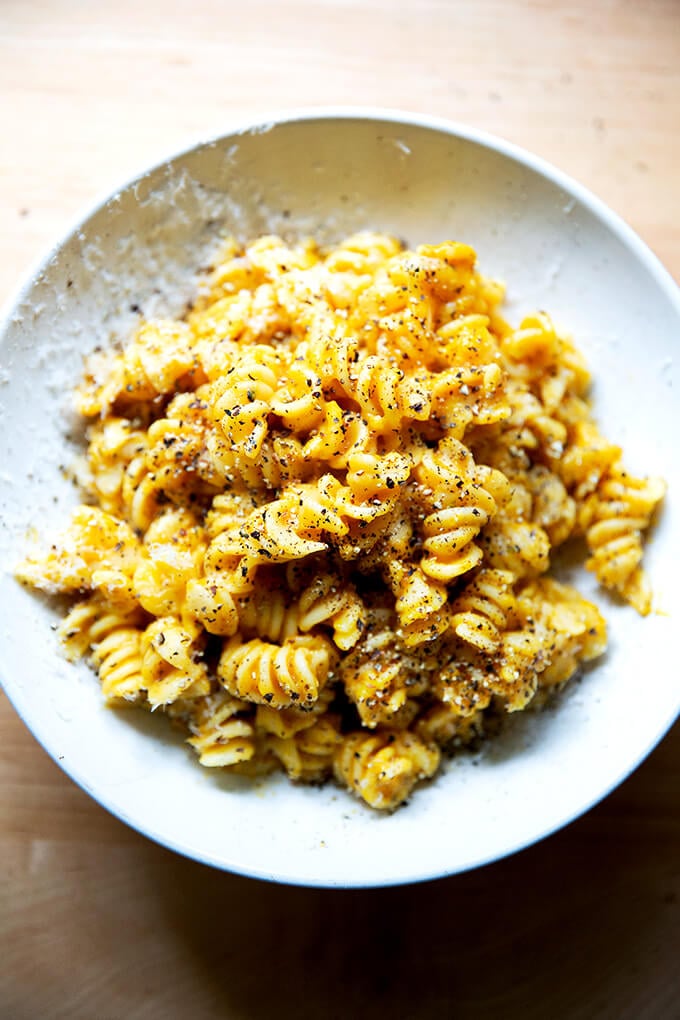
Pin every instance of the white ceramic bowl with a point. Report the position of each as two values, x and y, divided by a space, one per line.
330 173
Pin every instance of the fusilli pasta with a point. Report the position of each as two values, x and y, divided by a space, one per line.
322 508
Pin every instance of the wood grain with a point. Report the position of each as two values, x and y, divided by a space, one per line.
94 920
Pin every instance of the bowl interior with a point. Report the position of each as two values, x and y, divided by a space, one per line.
328 176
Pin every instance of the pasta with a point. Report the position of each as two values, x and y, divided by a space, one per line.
320 511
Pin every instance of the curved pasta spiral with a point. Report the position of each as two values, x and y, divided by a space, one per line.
464 680
463 396
386 394
382 682
222 735
521 657
172 554
298 399
307 518
421 603
471 678
342 508
241 400
536 428
113 443
116 656
340 434
75 630
551 506
448 541
278 614
467 495
520 547
307 755
255 317
172 665
176 456
387 544
115 643
440 287
533 346
373 477
287 722
159 359
383 767
479 614
574 630
614 518
414 284
443 725
281 461
275 256
141 498
281 675
270 613
330 351
466 340
546 361
328 600
587 458
288 528
210 602
229 509
241 299
226 317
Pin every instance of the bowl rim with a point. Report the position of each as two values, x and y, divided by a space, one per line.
261 124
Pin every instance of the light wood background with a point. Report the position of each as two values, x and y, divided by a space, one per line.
96 922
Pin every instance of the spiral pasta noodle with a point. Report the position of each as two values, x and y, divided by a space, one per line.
222 729
328 600
384 680
276 674
479 614
241 399
466 505
615 516
114 641
384 767
308 754
171 662
159 359
320 510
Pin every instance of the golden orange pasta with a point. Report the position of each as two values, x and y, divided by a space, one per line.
320 511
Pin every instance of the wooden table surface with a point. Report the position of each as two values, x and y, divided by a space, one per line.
96 922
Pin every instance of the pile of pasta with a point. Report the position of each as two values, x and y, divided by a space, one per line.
320 510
